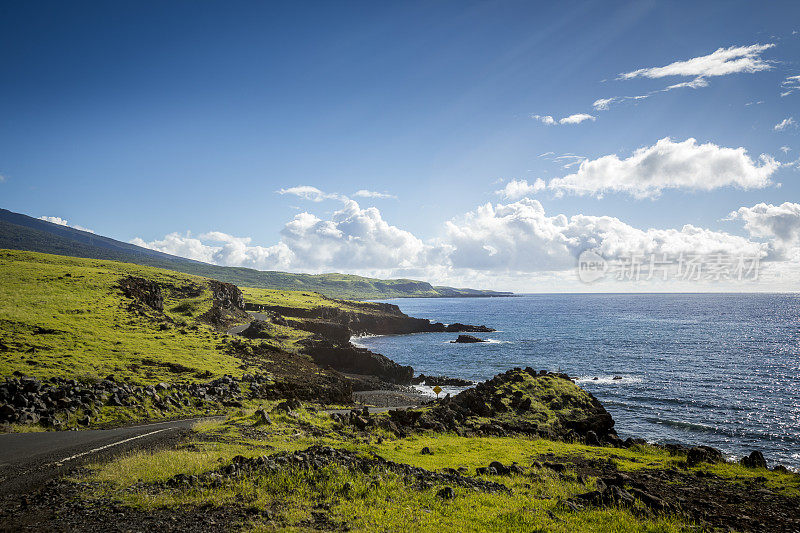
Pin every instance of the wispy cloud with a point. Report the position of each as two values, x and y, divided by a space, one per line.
790 84
788 122
364 193
576 118
307 192
722 62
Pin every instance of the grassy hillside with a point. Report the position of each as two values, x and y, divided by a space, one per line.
21 232
63 316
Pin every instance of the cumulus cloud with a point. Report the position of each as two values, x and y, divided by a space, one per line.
503 245
668 165
221 249
722 62
521 237
364 193
790 84
777 222
516 189
353 239
61 222
784 124
576 118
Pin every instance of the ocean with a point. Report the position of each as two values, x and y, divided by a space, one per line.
716 369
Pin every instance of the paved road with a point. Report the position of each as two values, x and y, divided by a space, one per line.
29 459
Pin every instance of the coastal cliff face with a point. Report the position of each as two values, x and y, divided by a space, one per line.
333 326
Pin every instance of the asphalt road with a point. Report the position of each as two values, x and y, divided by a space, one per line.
29 459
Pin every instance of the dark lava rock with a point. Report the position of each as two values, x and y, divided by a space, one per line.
431 381
143 291
754 460
258 329
354 360
426 451
320 457
446 493
467 339
703 454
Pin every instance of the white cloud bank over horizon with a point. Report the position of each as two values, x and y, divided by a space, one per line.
512 245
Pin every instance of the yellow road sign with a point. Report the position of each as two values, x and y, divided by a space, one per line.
437 389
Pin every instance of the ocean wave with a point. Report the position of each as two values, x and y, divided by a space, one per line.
727 432
609 380
354 340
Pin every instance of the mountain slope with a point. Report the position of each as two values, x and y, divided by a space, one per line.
21 232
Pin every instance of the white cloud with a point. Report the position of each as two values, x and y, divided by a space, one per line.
61 222
668 165
776 222
2 178
785 123
353 239
722 62
504 245
521 237
602 104
307 192
790 84
545 119
516 189
363 193
577 118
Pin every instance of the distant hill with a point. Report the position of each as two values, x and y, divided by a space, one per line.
21 232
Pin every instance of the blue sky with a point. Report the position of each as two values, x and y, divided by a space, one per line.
144 119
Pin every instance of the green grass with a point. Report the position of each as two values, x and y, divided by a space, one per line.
372 501
90 332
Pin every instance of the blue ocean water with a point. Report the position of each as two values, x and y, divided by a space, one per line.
715 369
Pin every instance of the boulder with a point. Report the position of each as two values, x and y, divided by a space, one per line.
754 460
467 339
703 454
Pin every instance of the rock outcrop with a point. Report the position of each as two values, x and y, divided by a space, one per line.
353 360
228 306
143 291
527 402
